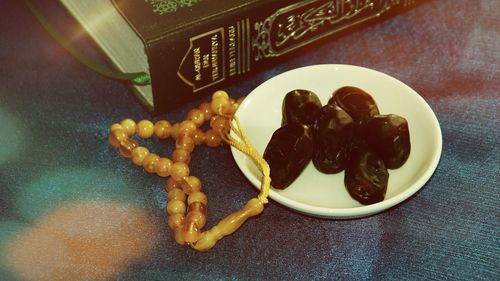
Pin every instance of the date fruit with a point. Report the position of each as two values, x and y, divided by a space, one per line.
348 133
357 103
366 176
389 137
288 153
333 133
301 107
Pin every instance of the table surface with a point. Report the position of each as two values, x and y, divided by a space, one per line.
71 208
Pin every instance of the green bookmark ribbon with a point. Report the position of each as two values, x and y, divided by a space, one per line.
139 78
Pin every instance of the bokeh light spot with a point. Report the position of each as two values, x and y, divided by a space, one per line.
12 137
63 185
84 240
8 231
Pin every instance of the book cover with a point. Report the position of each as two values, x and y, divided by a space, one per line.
194 47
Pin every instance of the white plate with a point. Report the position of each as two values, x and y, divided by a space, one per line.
322 195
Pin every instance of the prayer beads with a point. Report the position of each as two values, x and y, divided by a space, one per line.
186 203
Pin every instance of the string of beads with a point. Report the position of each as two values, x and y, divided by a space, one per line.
187 220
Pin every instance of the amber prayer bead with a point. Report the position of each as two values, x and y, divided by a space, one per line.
186 203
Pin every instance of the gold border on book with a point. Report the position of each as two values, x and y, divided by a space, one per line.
223 52
248 43
263 42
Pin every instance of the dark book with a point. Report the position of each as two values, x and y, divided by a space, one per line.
192 47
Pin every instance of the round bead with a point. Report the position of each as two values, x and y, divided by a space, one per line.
181 155
212 138
220 94
176 194
115 126
174 131
220 124
128 126
163 166
206 107
187 128
185 142
198 137
117 136
162 129
127 146
179 171
150 161
176 207
145 129
175 220
191 184
170 183
220 105
138 155
197 197
196 115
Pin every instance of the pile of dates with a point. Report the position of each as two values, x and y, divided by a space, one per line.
348 133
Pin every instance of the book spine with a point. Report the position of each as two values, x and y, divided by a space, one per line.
211 54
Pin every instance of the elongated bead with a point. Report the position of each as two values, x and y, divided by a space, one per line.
208 239
228 225
232 222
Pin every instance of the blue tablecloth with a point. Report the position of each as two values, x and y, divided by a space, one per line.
58 170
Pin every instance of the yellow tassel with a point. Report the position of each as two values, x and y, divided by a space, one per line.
244 145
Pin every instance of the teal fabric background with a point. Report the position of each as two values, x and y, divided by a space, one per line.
56 165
